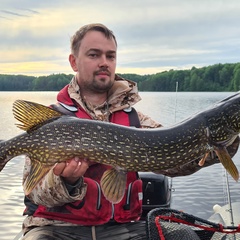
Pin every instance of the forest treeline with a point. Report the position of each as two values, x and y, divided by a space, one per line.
218 77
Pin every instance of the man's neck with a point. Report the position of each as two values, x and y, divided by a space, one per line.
95 99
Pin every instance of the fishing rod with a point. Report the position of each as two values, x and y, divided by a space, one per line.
229 198
175 119
175 112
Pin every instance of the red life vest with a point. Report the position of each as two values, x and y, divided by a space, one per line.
94 209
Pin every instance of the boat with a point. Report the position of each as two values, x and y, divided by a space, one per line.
227 215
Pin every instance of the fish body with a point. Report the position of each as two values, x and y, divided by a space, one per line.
52 137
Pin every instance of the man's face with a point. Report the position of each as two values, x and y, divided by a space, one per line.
95 63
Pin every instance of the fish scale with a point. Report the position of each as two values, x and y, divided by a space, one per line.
52 137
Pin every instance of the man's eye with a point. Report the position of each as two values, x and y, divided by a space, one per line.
111 57
93 55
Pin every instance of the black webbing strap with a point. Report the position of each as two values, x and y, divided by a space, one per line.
134 119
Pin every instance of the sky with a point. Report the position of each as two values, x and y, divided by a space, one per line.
153 35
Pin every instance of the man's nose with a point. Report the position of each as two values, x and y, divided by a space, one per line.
103 61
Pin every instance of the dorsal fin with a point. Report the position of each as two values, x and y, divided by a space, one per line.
32 115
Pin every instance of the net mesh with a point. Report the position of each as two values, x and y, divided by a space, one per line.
170 224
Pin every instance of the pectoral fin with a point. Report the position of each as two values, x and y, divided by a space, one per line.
227 162
37 172
113 184
203 160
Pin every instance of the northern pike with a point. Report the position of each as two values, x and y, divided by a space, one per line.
52 137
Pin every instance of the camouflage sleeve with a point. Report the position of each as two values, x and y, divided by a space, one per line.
52 191
147 122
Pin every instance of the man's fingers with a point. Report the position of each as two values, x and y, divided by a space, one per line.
72 168
59 167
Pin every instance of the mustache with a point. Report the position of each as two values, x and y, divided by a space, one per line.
103 69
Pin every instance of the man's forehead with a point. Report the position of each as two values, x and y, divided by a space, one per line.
96 39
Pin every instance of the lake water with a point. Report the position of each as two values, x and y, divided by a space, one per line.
195 194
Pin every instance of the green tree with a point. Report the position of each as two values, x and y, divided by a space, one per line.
236 78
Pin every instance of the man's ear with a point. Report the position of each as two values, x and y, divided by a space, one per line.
72 60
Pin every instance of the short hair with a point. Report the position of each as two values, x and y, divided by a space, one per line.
79 35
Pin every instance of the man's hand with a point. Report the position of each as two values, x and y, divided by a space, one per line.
72 169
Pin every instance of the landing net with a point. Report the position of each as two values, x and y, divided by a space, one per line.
170 224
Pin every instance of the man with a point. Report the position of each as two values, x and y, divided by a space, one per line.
68 202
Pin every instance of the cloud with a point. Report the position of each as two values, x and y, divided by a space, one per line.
13 13
152 35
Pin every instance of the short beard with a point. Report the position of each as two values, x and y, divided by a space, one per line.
96 86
